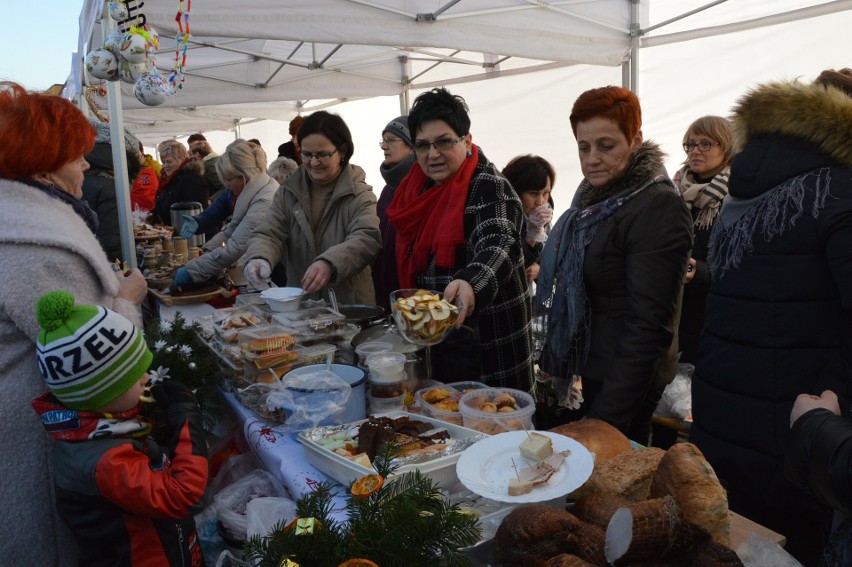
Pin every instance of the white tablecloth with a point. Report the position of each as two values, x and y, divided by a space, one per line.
283 456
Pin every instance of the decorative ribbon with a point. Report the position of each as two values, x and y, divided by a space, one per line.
178 77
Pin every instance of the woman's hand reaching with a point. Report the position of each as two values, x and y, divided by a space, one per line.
461 290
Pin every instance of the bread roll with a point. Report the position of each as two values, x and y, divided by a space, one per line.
533 533
566 560
598 436
686 475
627 475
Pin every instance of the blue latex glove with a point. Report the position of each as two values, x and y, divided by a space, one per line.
181 278
189 226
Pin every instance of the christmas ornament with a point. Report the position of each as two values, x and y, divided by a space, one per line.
113 40
193 366
130 72
102 64
178 74
118 10
101 92
134 46
151 89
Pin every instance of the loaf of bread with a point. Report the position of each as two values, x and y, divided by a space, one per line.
533 533
685 474
598 436
566 560
627 475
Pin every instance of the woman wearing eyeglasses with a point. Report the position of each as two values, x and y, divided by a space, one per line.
703 183
612 270
322 224
458 225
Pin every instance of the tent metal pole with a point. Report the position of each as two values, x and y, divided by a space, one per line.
119 159
635 36
405 94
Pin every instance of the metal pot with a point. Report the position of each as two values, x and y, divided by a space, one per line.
415 363
362 315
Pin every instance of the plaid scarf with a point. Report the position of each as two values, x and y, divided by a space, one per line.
706 197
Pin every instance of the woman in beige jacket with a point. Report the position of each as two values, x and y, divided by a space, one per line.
323 223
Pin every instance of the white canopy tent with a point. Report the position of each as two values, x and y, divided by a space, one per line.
269 60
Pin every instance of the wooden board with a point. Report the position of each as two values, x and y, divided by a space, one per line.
189 299
742 526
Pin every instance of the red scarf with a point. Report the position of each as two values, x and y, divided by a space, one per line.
429 222
166 178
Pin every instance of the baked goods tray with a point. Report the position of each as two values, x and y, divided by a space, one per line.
189 298
440 467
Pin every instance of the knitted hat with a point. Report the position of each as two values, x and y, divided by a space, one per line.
399 127
103 135
88 355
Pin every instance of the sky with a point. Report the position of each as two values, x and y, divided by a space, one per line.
37 43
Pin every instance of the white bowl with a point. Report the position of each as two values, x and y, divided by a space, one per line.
282 299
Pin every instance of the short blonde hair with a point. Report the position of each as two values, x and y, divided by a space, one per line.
172 148
717 129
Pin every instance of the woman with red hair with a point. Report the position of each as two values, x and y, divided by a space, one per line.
612 270
47 242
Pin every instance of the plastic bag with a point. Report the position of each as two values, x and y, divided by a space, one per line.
760 551
676 400
263 514
309 398
232 501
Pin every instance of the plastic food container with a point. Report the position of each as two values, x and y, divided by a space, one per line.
442 469
384 405
366 349
447 408
487 410
283 298
386 367
356 407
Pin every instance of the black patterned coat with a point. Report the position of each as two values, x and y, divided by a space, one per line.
492 262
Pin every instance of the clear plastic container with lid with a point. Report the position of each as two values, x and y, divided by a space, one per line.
386 367
495 410
366 349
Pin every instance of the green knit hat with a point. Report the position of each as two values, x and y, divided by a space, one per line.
88 355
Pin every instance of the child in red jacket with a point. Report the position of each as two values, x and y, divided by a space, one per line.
128 500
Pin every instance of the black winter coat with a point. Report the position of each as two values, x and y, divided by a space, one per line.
633 271
187 185
99 192
780 322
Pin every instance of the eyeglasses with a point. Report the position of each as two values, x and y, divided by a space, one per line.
441 144
703 146
388 141
319 156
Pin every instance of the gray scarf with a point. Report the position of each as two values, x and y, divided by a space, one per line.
769 214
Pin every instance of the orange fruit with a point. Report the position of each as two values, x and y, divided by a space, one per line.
357 563
366 485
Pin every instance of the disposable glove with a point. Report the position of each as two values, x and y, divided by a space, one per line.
536 221
189 226
257 273
181 278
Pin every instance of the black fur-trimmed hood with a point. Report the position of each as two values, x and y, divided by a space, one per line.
819 115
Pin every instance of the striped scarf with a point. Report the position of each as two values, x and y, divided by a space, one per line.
706 197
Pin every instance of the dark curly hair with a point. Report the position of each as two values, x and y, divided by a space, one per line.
439 104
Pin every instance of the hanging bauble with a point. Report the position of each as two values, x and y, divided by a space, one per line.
152 38
102 64
193 366
130 72
134 47
118 10
151 89
113 41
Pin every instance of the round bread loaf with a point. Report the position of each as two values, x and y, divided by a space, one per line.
686 475
627 475
533 533
566 560
598 436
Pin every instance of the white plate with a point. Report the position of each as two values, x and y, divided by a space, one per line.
486 467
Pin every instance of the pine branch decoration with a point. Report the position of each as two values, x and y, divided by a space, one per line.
180 354
406 523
